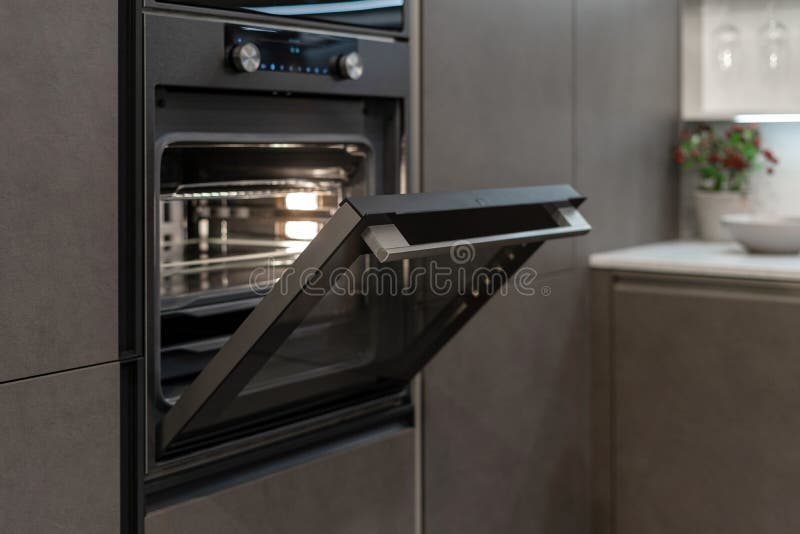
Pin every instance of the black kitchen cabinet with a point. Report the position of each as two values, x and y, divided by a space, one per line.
60 452
58 185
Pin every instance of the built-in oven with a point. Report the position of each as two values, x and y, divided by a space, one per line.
294 289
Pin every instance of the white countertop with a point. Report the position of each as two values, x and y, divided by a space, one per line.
699 258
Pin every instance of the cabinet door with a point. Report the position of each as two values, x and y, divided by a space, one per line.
58 185
368 489
497 109
627 102
502 408
60 453
706 407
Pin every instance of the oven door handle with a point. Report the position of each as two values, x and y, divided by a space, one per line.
387 242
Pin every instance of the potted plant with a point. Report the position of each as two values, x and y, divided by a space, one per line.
724 163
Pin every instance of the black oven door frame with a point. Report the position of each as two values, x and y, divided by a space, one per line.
370 225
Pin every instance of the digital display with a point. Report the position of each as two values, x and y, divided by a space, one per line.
291 51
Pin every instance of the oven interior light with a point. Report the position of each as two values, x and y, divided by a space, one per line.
302 201
304 230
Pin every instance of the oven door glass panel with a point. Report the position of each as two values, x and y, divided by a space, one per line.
379 14
385 284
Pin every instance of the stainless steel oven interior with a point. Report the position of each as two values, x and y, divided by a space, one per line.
233 217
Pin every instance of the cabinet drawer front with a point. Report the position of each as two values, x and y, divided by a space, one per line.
60 452
706 407
365 490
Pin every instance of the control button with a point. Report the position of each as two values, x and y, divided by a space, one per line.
246 57
351 66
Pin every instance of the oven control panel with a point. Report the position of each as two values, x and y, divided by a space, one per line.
253 50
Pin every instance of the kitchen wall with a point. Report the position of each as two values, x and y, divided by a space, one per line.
535 92
779 193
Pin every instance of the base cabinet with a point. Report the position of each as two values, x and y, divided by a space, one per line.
60 453
368 489
697 405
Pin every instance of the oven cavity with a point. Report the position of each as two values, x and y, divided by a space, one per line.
233 217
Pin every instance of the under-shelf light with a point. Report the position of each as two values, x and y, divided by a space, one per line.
762 118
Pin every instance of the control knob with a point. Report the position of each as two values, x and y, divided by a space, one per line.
246 57
350 66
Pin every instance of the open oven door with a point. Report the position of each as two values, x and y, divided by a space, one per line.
482 237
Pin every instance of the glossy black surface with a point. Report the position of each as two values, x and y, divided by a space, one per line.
464 200
290 51
377 14
190 53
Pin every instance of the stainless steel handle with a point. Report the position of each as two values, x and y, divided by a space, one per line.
387 243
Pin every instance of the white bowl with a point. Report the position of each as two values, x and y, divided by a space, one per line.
765 234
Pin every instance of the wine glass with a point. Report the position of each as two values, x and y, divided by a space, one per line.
774 46
727 46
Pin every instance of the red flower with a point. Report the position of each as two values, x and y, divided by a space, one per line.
770 156
713 157
679 156
735 162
